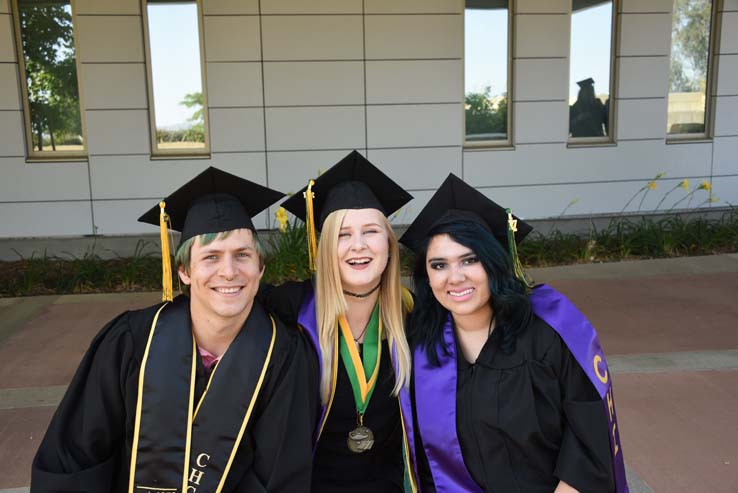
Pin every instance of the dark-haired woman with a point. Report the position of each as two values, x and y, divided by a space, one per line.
501 400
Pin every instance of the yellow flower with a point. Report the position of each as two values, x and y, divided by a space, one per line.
684 184
281 216
651 185
712 199
705 185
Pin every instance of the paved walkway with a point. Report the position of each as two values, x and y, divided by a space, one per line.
669 328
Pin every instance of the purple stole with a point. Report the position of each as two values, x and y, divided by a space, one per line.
435 393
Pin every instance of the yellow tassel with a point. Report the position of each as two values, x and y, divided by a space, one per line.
408 302
166 259
512 228
310 224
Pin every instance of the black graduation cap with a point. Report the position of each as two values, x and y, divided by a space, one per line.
352 183
212 202
586 82
456 201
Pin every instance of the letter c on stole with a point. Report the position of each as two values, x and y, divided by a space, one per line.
603 377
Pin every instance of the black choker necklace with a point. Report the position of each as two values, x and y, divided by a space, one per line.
362 295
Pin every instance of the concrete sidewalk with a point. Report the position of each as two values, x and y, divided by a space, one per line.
669 328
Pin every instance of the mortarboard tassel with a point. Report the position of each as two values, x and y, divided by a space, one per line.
310 224
512 228
166 259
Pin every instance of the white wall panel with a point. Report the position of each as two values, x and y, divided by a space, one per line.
541 122
413 7
4 6
11 134
7 40
251 166
236 129
119 217
290 171
43 181
315 37
645 34
414 36
728 75
314 83
726 115
230 7
414 81
641 119
726 190
109 38
338 127
418 168
729 33
40 219
118 7
541 36
232 39
10 98
311 7
414 125
409 212
686 159
730 5
114 86
541 79
663 6
118 132
725 160
234 84
543 6
643 77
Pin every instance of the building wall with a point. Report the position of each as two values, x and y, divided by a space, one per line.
294 85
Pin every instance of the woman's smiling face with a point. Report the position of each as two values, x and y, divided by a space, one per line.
363 249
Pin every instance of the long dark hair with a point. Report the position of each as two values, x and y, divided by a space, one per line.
508 295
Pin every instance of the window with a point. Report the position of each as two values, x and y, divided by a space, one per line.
688 76
177 98
486 72
48 64
590 71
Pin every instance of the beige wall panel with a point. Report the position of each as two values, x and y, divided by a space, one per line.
314 83
290 171
730 5
7 40
414 36
641 119
543 6
729 33
114 86
10 94
118 7
644 77
236 129
230 7
418 168
540 79
725 160
725 188
653 6
414 81
11 134
315 128
645 34
329 37
541 36
538 122
413 7
232 39
4 6
414 125
34 219
250 165
311 7
110 38
728 75
726 116
119 217
234 84
118 132
43 181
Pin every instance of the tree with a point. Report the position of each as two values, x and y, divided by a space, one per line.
196 133
690 45
484 115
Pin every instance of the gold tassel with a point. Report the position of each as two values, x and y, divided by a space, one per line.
310 226
166 259
512 228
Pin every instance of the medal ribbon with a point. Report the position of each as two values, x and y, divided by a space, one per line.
355 367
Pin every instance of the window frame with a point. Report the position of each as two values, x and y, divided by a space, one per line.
44 156
183 153
611 138
490 144
710 80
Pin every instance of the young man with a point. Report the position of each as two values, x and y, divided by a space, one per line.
201 394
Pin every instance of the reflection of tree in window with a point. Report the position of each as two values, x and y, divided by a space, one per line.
486 117
51 75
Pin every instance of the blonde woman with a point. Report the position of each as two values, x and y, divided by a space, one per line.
353 313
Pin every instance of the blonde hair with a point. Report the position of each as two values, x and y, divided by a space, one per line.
330 303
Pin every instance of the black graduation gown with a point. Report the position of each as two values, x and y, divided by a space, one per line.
87 447
529 419
336 468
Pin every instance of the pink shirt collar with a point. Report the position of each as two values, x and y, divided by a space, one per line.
208 359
